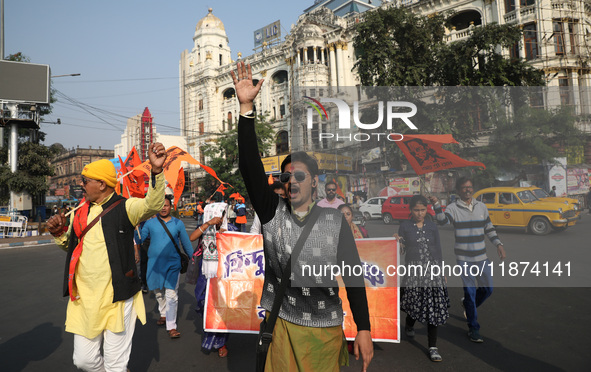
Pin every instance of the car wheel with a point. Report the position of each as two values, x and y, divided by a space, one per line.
367 216
387 217
539 226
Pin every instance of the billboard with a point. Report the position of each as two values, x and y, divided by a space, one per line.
24 82
267 34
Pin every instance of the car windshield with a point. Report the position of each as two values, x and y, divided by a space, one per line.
540 193
526 196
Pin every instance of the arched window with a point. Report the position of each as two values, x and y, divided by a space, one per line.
229 120
279 77
463 19
229 93
282 143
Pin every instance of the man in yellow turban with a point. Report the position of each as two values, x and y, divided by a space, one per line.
100 276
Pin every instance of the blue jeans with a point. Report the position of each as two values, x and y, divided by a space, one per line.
476 288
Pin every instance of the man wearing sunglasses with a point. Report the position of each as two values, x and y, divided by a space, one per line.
308 334
331 200
100 277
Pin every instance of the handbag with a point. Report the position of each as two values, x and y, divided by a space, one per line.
193 270
268 324
184 257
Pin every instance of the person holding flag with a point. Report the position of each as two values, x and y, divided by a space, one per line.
100 275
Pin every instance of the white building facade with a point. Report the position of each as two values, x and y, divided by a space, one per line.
318 52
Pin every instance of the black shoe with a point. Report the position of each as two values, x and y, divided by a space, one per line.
474 335
410 331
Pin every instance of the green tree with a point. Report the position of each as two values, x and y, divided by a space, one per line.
398 48
223 157
33 157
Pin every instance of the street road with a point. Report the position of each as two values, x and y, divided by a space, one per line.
524 328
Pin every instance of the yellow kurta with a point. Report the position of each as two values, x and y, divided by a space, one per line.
94 311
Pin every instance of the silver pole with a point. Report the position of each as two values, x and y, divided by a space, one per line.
1 58
2 30
13 151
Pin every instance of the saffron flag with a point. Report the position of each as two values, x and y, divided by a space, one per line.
221 189
122 191
179 187
425 153
339 191
232 300
172 164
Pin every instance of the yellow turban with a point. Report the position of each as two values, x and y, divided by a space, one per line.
101 170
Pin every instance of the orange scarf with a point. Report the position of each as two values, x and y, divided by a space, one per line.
80 223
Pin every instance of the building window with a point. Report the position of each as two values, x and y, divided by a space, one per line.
523 3
201 156
201 128
572 38
229 120
564 85
282 143
220 59
530 38
509 6
558 38
200 104
514 51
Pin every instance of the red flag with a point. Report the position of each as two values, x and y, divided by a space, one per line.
179 187
123 191
425 155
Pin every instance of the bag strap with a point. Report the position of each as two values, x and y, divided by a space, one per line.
170 236
267 335
97 218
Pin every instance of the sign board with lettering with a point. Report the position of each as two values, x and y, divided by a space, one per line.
267 34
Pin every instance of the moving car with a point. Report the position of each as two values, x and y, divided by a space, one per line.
396 208
372 207
518 206
188 210
544 196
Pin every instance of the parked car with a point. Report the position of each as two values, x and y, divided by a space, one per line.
396 208
544 196
372 207
518 206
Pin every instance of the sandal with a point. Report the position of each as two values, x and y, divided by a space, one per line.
173 333
161 321
223 351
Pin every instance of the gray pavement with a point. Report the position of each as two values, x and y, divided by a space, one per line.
541 329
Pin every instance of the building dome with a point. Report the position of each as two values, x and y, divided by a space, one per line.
209 22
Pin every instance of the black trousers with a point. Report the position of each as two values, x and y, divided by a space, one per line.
431 331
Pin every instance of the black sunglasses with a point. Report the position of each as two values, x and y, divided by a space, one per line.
86 180
298 175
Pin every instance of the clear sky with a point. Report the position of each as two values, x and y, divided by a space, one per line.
127 52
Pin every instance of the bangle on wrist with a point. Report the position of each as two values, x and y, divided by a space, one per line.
200 229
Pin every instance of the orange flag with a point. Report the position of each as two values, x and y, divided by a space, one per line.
221 189
425 155
179 187
339 191
172 164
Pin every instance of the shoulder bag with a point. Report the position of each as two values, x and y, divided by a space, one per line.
184 257
267 325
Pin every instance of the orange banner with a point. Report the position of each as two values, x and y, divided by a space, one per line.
179 187
233 298
381 289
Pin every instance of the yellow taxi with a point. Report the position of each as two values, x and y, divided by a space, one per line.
188 210
544 196
518 206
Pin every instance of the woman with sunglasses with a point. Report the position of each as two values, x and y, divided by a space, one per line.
424 297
